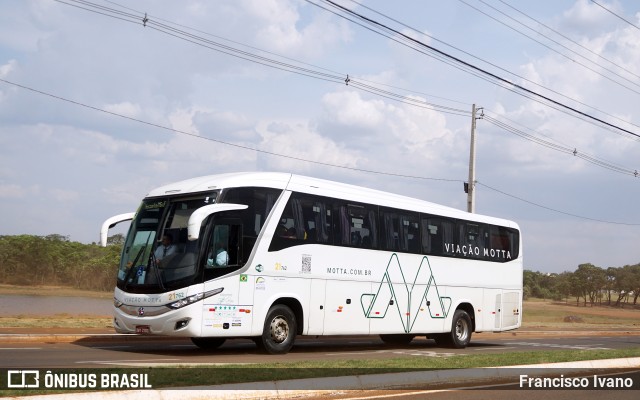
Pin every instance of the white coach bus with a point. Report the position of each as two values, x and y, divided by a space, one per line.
270 256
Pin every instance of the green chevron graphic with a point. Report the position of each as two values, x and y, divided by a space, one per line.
408 299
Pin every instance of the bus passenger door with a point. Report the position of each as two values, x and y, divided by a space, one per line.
316 307
228 313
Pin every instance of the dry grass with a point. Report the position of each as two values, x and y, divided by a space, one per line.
541 313
52 291
55 321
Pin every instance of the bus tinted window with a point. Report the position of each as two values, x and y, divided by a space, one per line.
357 226
400 231
305 220
260 202
309 219
504 240
438 236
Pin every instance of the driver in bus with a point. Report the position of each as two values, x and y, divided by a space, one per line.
165 249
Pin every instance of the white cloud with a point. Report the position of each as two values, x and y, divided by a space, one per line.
126 108
348 108
7 68
281 28
297 139
65 195
15 191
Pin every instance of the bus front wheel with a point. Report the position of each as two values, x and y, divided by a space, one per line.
279 331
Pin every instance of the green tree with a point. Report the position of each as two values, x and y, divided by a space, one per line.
590 281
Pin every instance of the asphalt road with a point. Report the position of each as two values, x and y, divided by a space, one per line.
97 352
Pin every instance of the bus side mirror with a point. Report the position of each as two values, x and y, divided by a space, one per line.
199 215
110 223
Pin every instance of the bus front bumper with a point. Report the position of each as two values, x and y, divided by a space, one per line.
158 320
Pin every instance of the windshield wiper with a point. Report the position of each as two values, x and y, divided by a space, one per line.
133 265
154 265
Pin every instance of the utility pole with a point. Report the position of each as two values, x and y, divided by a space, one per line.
471 184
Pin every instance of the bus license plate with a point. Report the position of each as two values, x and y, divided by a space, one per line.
143 329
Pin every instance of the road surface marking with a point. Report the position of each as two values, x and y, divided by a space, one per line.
20 348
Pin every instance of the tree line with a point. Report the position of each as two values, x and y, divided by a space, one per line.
588 284
55 260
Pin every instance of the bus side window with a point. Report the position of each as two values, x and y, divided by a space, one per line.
400 231
305 220
357 226
501 238
437 236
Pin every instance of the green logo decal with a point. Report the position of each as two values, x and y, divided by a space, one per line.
243 278
407 298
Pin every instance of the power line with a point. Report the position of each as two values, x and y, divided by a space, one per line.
364 87
290 65
495 78
271 153
553 209
177 131
562 148
506 87
552 49
570 40
612 13
360 79
304 70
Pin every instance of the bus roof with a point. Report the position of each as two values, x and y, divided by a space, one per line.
321 187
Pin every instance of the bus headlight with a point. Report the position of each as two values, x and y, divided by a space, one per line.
192 299
117 303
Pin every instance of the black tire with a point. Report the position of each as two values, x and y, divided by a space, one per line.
461 329
208 343
397 339
279 331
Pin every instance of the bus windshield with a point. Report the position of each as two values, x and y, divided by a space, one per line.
157 255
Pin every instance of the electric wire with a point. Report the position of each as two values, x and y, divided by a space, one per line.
551 48
300 159
136 19
554 209
149 22
390 95
616 15
304 69
289 58
239 146
506 71
494 78
569 39
561 148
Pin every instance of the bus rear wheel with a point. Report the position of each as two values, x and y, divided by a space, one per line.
208 343
279 331
461 329
398 340
460 334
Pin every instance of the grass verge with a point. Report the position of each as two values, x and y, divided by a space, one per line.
186 376
216 375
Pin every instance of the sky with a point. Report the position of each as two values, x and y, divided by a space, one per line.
95 111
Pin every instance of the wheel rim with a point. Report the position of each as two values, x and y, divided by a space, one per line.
462 330
279 328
